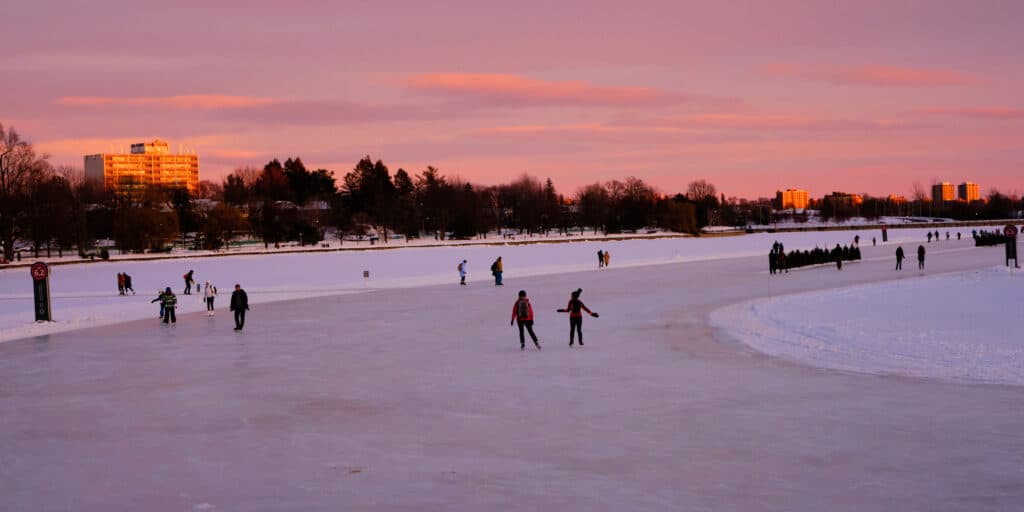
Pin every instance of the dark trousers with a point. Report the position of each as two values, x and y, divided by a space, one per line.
899 263
239 319
497 278
188 287
575 326
528 325
209 303
169 315
920 264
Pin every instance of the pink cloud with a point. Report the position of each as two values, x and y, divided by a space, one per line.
518 90
988 113
875 75
189 102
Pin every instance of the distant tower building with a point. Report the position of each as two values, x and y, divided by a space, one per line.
148 164
942 192
967 191
792 198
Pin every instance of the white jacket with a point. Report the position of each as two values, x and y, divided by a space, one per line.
209 290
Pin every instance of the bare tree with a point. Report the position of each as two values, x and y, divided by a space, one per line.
700 189
19 168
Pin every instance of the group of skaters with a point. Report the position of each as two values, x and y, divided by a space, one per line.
900 256
168 301
604 258
937 238
777 259
522 316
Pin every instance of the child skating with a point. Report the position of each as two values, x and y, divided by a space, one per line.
575 308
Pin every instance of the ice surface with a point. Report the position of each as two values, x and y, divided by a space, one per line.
419 399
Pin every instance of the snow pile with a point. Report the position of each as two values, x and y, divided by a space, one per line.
961 327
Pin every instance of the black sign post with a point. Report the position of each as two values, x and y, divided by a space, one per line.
41 291
1011 245
885 235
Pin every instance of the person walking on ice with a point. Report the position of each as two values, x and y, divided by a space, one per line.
920 257
170 301
497 269
607 258
209 293
575 308
899 258
463 269
239 305
600 258
522 314
188 282
120 283
128 284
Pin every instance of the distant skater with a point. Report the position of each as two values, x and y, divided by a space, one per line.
209 293
239 305
188 282
120 283
600 258
463 269
522 314
899 258
920 257
773 260
781 263
128 284
607 258
575 308
170 302
497 269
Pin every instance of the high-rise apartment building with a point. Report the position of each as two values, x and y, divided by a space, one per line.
968 192
942 192
148 164
792 198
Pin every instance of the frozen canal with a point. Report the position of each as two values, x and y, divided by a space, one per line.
420 399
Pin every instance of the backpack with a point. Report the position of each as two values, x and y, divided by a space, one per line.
459 268
494 266
524 310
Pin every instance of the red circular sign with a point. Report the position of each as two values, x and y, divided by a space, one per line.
40 271
1010 231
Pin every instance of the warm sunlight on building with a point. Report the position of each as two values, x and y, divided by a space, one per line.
942 192
148 164
792 198
968 192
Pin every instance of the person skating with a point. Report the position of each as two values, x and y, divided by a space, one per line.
120 283
920 257
496 269
607 258
782 265
239 305
899 258
128 284
522 314
600 258
209 293
463 269
170 302
159 298
773 260
188 282
575 309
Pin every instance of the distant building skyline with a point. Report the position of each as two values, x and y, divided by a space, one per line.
943 192
792 198
147 164
968 191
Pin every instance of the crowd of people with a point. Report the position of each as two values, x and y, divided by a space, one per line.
168 300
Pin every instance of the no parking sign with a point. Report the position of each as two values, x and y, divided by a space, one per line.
1011 244
41 291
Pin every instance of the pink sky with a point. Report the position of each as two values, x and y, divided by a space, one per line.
866 96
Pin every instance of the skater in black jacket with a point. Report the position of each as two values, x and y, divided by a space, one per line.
575 308
920 257
899 258
239 304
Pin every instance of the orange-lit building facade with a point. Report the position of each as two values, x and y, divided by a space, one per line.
792 198
148 164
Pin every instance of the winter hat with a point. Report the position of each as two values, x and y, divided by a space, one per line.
522 293
168 290
577 292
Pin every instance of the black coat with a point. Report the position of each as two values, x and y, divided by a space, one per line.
239 300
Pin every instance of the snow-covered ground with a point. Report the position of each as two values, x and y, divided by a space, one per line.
962 326
85 295
814 221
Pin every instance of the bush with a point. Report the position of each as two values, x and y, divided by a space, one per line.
104 254
818 256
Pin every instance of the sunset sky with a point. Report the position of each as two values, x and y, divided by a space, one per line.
858 96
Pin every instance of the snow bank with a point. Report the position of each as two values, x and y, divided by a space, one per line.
961 327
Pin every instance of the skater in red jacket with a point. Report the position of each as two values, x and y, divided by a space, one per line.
575 310
522 314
